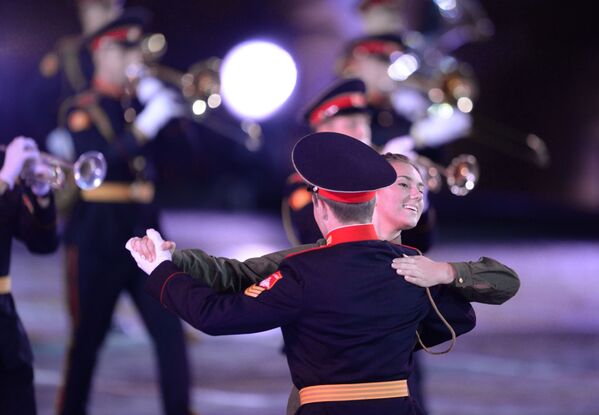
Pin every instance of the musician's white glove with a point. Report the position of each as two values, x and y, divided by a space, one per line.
18 152
161 254
161 105
409 102
147 87
438 129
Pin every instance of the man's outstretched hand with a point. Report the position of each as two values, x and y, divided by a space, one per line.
146 255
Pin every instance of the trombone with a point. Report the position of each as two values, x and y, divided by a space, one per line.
89 170
200 85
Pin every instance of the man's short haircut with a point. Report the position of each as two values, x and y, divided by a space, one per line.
350 212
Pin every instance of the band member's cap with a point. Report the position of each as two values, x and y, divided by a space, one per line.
127 29
345 96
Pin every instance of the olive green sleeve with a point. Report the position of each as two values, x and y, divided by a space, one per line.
231 275
485 281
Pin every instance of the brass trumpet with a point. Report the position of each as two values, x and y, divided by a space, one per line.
88 170
461 175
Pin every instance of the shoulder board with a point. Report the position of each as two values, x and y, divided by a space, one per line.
299 198
72 103
306 251
83 111
78 120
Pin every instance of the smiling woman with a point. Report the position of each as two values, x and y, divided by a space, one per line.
400 205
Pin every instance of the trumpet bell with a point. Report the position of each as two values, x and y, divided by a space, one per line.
462 174
89 170
433 178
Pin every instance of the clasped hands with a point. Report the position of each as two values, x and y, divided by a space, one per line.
144 252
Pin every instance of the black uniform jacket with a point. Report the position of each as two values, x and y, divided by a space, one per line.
96 123
23 218
346 316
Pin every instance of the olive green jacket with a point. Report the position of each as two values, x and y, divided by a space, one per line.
484 281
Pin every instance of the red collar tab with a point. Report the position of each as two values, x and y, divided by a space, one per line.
366 4
344 197
352 233
121 34
107 88
333 106
376 47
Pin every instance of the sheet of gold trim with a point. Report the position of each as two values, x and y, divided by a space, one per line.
5 284
115 192
354 392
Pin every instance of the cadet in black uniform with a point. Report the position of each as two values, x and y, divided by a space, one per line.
30 218
349 323
486 280
108 119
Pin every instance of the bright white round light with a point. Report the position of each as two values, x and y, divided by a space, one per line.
198 107
214 101
465 105
257 77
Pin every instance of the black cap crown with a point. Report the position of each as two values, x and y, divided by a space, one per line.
128 28
340 167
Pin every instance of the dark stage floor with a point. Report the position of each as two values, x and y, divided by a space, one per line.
538 354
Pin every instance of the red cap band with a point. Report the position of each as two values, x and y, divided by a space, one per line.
356 197
366 4
376 47
122 34
333 106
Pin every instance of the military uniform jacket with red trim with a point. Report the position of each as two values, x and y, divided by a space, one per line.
346 316
96 122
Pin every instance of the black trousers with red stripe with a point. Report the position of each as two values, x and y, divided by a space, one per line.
95 283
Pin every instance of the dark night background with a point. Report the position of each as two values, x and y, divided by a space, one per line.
538 73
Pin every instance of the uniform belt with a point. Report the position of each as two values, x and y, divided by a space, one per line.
354 392
4 284
117 192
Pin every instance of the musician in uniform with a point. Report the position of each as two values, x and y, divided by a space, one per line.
28 214
123 124
349 322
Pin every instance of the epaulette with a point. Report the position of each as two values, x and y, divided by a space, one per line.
72 103
316 248
82 111
299 197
